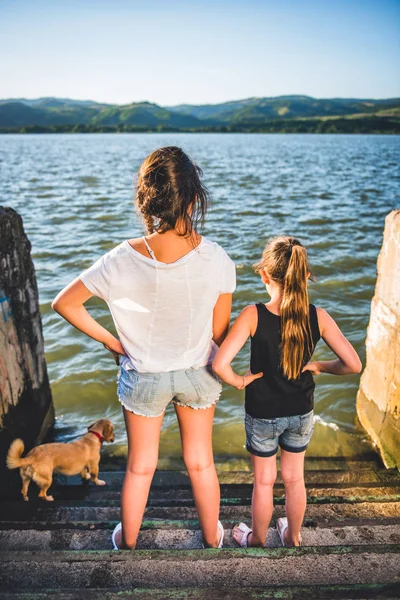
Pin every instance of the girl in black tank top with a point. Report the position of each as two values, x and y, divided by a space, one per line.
274 395
279 385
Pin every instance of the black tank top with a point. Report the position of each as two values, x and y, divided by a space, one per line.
273 395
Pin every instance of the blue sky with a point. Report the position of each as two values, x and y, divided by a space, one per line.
173 52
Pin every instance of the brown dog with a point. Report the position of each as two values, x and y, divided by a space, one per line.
81 456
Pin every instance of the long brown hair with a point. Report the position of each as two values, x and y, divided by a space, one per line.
285 261
169 191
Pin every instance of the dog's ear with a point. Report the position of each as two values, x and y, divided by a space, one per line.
108 432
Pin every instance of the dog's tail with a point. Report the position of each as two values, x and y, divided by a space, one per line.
14 456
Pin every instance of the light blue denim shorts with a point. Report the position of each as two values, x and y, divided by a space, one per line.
148 394
293 434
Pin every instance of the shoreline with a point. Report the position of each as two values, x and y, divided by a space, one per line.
391 133
334 125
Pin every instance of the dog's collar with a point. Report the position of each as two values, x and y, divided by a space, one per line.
99 437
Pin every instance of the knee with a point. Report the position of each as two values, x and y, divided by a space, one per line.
141 469
265 479
292 478
195 463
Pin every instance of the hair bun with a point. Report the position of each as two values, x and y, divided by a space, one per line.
168 190
155 206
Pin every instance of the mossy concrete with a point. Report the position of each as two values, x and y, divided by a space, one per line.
351 532
35 514
181 535
293 592
201 568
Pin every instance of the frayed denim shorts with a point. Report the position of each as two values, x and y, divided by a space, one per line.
293 434
148 394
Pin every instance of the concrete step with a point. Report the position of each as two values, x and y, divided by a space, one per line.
29 514
238 497
296 592
180 479
351 540
226 464
231 494
362 513
334 565
170 480
176 535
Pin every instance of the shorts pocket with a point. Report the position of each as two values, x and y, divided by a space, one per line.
147 387
137 387
307 423
263 430
204 381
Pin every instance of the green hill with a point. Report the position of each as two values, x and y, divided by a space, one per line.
145 114
50 113
256 110
17 114
280 114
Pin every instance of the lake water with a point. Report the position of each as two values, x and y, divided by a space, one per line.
74 193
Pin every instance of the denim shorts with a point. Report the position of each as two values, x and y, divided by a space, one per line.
148 394
292 434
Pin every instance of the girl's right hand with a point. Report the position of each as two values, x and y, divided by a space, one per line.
248 378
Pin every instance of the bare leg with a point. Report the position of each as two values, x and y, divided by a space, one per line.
292 467
262 504
143 441
196 435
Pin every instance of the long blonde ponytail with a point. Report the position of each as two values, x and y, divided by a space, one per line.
285 262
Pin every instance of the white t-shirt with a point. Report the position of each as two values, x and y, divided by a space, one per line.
163 313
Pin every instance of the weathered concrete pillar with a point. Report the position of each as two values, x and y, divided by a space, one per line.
26 406
378 399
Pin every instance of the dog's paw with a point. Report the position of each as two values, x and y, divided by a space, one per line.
86 475
100 482
26 499
49 498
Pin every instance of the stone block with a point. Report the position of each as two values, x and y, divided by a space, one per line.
378 399
26 406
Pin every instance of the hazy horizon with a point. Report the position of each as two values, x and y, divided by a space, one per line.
194 103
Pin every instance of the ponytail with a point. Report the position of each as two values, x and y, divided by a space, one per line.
285 261
295 315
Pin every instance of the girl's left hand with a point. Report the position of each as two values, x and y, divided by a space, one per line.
313 367
116 350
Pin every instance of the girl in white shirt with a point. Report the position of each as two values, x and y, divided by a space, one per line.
170 296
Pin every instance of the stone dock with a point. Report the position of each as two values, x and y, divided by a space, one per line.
62 549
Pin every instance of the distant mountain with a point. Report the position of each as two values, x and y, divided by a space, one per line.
18 114
55 102
283 113
51 112
256 110
146 114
